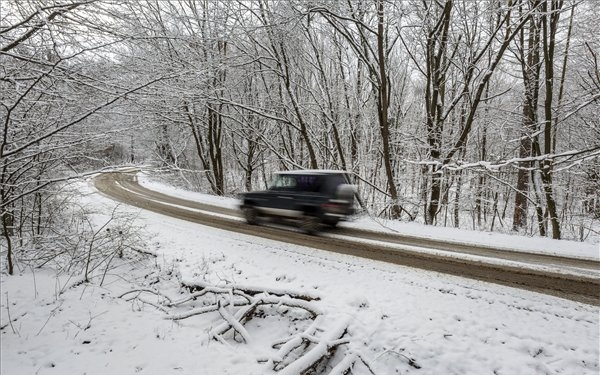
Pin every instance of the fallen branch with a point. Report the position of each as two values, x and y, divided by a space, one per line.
242 315
345 365
300 354
321 351
234 323
291 344
213 290
253 290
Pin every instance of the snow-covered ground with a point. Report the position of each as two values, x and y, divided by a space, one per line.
399 318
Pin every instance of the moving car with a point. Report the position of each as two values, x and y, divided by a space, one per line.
310 198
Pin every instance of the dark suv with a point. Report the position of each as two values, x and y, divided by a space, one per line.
307 197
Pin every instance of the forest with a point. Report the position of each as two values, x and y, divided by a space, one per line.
475 114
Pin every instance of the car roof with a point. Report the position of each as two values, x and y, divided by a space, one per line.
313 171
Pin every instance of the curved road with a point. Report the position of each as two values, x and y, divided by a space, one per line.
579 279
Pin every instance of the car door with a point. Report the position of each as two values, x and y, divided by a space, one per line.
282 198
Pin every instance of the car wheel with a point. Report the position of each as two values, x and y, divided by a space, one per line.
251 215
331 223
309 224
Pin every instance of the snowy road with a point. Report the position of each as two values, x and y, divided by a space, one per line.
571 278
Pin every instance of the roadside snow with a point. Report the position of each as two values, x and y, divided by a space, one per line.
146 180
399 317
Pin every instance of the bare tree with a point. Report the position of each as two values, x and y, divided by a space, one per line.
372 46
50 94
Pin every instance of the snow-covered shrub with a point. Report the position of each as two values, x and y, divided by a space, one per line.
73 239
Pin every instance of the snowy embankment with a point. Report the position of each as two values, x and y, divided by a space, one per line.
400 320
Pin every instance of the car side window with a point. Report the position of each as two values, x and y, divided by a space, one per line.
283 183
308 183
330 187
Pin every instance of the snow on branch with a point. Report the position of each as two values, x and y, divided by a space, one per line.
573 156
234 322
59 10
254 290
324 348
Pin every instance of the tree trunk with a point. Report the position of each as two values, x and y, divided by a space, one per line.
530 57
550 25
7 231
215 129
383 115
434 102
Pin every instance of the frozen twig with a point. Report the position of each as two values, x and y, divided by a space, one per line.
9 318
411 361
155 305
144 290
213 290
366 363
52 313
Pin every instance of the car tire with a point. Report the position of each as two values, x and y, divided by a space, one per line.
309 224
251 215
331 223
